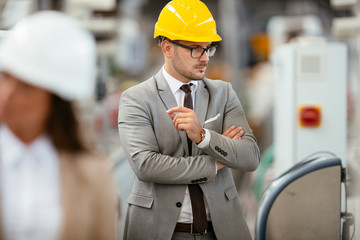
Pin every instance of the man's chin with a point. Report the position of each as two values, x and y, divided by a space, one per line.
196 76
200 75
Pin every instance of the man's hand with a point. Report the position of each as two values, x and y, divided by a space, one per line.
233 133
219 165
184 119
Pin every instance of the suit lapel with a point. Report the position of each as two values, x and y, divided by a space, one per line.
201 102
169 101
201 107
164 91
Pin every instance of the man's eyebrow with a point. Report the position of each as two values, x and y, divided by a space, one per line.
195 45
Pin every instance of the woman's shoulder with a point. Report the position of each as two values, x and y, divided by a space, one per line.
86 161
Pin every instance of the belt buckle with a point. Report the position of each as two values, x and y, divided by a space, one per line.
196 234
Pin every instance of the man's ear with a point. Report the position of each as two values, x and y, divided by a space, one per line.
167 48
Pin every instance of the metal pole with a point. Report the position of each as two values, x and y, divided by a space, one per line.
234 32
43 5
233 28
104 75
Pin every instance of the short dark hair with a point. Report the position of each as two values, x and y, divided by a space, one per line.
161 39
63 126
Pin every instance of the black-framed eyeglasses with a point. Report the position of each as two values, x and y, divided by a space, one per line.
197 52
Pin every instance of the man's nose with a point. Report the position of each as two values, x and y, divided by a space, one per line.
204 57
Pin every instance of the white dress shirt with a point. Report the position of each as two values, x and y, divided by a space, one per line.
29 188
174 84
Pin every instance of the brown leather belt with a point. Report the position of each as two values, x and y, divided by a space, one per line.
187 227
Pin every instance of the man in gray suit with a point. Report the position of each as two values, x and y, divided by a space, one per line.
178 131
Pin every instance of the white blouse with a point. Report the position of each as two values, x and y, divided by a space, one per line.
29 187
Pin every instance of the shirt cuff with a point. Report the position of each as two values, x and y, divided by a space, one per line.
206 142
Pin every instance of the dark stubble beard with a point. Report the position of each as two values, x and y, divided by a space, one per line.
179 67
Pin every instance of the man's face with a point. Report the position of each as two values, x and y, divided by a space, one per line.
185 66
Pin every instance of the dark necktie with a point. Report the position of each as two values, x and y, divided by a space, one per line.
196 194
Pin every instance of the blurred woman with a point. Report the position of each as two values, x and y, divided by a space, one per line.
51 185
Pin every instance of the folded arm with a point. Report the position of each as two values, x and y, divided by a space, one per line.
242 154
140 143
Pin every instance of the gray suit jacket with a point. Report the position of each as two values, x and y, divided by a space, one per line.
160 158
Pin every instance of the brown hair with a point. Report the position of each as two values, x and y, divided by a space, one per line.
63 126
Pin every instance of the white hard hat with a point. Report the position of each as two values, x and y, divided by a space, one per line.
51 50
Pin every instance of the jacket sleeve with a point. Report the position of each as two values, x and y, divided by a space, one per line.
139 142
242 154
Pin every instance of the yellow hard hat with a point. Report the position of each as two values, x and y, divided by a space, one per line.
188 20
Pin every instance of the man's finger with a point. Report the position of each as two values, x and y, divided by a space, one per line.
242 132
219 165
227 131
233 133
171 115
178 109
182 127
172 112
239 135
177 121
182 116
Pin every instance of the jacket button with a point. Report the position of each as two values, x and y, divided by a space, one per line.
216 148
205 179
178 204
225 154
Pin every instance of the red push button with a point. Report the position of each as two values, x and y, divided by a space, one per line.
310 116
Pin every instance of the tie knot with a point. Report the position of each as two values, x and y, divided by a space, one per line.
186 87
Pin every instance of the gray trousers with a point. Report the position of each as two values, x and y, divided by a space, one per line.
188 236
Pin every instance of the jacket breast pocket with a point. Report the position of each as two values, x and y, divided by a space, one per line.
231 193
140 200
214 125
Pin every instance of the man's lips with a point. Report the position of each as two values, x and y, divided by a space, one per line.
201 67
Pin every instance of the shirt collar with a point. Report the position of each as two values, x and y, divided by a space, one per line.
41 149
175 84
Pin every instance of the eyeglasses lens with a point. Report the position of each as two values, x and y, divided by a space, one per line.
198 52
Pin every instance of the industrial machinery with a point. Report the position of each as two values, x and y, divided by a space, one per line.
308 198
310 101
305 203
